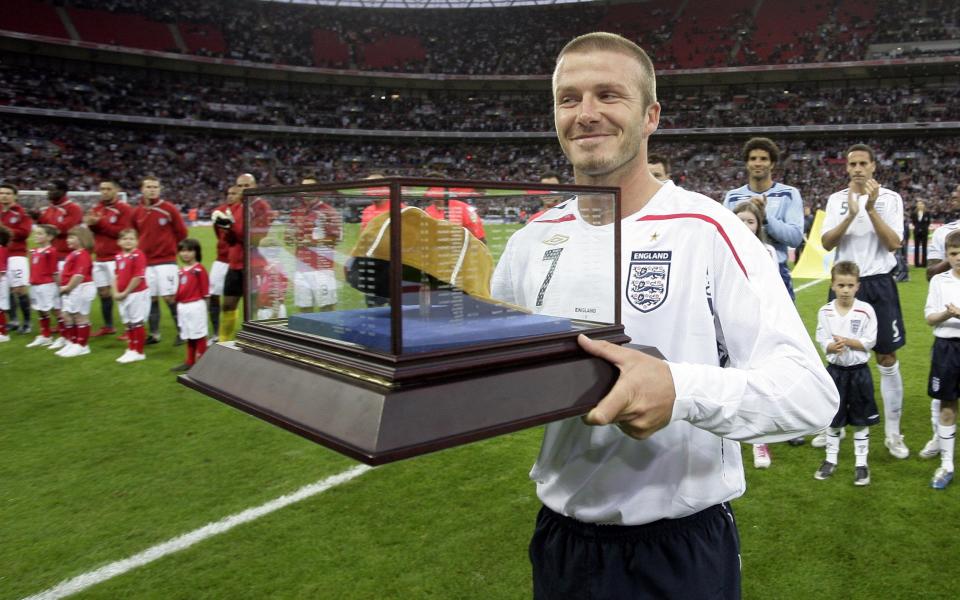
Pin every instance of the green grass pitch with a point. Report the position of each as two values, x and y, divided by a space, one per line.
101 461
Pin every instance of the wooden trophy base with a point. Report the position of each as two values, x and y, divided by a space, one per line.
376 423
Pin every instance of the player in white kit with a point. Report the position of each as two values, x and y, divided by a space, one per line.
846 331
864 223
937 263
648 472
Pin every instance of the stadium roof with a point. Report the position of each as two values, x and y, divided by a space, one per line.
430 3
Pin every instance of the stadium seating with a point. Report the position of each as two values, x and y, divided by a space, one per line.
30 16
120 29
391 51
202 38
705 36
329 50
481 41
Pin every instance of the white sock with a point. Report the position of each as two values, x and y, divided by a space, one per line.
947 435
861 446
833 444
891 390
934 415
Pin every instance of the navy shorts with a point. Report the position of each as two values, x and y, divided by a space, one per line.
944 382
880 292
857 403
233 283
692 557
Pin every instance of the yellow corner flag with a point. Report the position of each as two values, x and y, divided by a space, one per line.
815 262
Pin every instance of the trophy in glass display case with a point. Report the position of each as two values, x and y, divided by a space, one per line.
380 318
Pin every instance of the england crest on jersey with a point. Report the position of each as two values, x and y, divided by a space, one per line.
649 279
855 326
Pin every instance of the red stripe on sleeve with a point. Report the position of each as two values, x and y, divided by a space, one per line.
723 233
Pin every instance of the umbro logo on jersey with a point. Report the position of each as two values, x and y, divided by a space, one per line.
649 279
556 240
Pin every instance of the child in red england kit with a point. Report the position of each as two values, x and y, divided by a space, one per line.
132 294
44 292
77 291
192 293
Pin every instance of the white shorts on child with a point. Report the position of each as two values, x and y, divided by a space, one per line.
4 292
192 319
314 288
18 271
45 296
218 274
135 308
104 272
162 280
79 299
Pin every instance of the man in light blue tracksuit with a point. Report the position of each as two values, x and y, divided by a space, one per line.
781 203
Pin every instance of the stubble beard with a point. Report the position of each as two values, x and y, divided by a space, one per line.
599 167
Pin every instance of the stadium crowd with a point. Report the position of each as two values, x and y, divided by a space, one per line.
137 93
34 152
457 41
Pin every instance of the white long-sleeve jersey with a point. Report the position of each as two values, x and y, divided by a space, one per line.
859 323
700 287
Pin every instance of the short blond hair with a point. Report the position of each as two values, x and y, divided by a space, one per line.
602 41
845 267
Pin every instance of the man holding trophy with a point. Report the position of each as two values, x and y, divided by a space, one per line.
635 494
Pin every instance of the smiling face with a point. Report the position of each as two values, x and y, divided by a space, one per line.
599 112
759 164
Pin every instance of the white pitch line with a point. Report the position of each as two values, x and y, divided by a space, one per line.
91 578
806 285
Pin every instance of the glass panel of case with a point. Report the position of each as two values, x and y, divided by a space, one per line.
321 264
